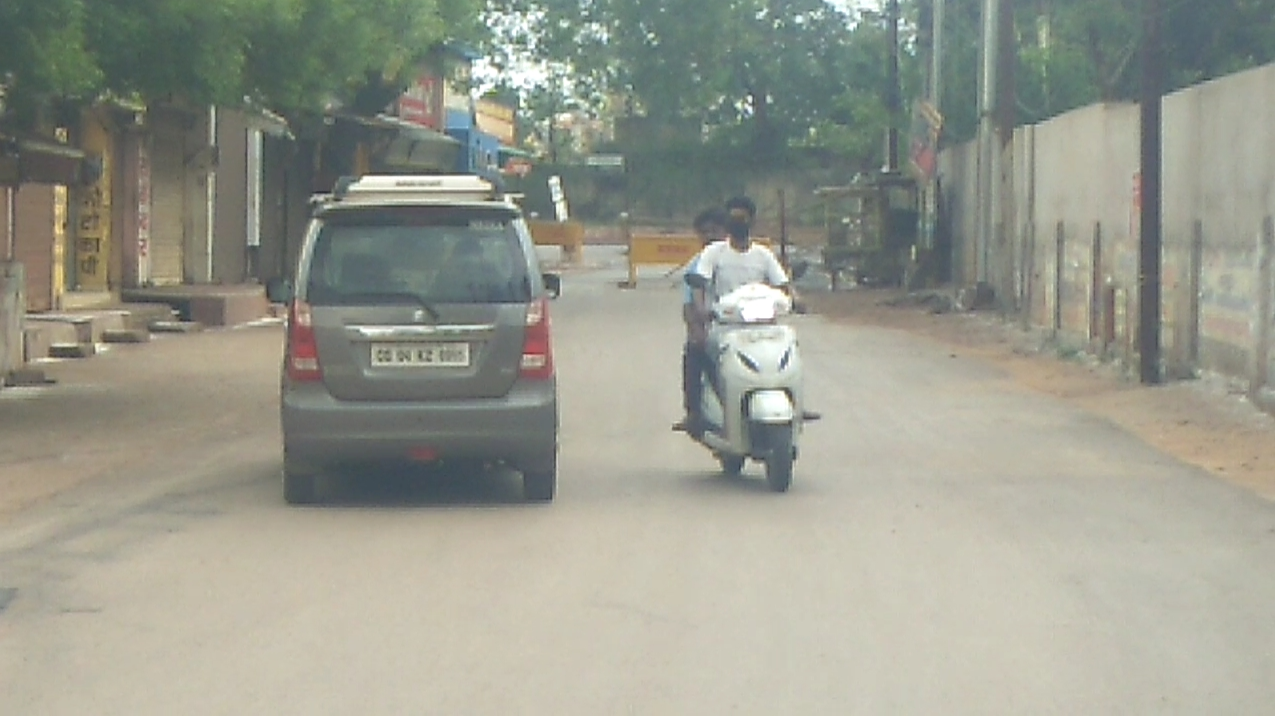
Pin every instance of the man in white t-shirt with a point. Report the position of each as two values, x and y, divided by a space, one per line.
726 266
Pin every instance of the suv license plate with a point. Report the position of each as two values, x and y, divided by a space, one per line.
420 355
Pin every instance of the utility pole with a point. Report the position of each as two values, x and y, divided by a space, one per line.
938 12
1150 240
988 177
11 221
931 35
894 100
1006 116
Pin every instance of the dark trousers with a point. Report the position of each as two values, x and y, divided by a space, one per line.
695 366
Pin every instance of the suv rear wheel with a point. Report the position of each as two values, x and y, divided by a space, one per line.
540 485
298 486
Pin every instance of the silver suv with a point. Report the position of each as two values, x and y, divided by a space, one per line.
418 331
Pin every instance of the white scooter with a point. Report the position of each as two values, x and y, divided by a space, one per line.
755 410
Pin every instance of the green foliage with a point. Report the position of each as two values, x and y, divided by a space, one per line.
166 49
41 53
292 55
1075 52
769 78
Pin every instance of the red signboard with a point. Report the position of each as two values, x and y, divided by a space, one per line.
518 166
422 103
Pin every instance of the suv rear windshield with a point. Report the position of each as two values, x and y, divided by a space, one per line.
427 254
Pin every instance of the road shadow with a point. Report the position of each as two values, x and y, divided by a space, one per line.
444 487
716 482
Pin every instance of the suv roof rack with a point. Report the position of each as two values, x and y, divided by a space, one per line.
428 187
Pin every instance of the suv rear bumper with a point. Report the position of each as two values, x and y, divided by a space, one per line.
520 428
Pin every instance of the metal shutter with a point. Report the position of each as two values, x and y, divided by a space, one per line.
33 246
168 193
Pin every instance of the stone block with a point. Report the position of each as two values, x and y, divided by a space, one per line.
126 335
81 324
229 309
35 344
176 327
139 316
39 338
72 350
27 377
107 321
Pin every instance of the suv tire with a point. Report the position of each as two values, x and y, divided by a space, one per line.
298 486
540 485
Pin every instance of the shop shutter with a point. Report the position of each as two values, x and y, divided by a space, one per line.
33 247
168 184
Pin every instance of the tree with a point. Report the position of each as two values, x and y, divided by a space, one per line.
42 55
163 50
765 76
1075 52
292 55
310 52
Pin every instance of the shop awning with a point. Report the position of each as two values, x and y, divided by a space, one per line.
515 161
415 148
417 133
507 152
399 146
267 122
39 161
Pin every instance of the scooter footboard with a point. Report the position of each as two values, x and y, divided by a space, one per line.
771 406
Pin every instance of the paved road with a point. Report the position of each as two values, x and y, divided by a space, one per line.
952 545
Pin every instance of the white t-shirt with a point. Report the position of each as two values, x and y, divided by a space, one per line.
726 269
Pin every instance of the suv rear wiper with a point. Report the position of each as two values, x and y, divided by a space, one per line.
393 296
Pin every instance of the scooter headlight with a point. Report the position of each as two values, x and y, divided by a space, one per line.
748 362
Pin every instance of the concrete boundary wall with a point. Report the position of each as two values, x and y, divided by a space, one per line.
1074 237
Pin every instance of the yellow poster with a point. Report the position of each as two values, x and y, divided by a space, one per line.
61 202
93 211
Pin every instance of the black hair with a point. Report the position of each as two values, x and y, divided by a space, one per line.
742 202
712 216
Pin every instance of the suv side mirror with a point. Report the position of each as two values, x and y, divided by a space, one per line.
553 284
279 290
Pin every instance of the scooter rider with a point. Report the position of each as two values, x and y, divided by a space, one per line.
727 265
724 267
710 227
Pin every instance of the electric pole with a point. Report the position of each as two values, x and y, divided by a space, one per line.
936 58
1006 116
894 98
988 176
1150 240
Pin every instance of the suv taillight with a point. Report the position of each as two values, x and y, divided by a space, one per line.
303 349
537 354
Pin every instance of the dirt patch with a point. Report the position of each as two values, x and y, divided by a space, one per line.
1203 422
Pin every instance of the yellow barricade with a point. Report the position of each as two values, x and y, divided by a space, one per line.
675 250
659 250
663 250
567 234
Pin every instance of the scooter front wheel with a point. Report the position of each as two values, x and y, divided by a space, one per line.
779 457
732 465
